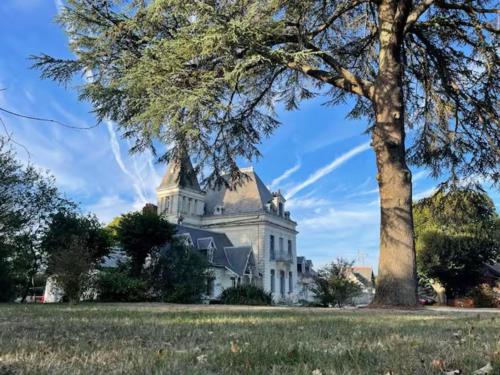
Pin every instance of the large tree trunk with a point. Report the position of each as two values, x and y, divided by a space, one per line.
397 278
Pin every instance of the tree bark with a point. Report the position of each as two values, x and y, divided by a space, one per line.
397 277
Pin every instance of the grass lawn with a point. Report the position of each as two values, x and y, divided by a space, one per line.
170 339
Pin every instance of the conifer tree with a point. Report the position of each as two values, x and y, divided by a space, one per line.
206 75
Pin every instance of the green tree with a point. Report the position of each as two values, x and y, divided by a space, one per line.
139 233
74 245
28 198
333 286
205 76
457 233
180 273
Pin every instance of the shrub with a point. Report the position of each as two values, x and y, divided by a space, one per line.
333 286
246 295
115 285
484 295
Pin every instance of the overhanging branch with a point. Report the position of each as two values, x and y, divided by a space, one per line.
345 81
416 13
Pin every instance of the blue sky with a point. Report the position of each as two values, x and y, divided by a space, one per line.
320 160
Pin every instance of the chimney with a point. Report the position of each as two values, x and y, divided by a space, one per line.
150 207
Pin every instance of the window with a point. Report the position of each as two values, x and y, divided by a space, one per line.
273 287
280 208
271 248
290 249
290 282
281 245
282 283
299 267
167 205
233 281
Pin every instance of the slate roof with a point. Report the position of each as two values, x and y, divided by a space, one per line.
225 255
204 243
494 269
239 257
251 196
181 175
306 262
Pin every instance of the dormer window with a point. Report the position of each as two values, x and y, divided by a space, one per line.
281 207
207 248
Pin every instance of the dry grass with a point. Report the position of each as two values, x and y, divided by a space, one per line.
167 339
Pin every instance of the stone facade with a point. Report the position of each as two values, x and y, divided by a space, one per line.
250 216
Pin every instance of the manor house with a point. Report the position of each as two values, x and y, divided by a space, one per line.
246 233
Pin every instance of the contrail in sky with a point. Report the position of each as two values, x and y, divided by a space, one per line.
115 147
285 175
137 180
328 169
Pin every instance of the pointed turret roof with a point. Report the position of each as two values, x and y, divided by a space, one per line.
180 174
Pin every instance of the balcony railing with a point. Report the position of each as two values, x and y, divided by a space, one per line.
283 257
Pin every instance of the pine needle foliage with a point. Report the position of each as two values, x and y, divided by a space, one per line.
207 75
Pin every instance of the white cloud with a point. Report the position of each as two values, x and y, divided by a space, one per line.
419 175
342 219
366 192
284 175
341 233
306 202
69 118
425 194
59 5
328 168
110 206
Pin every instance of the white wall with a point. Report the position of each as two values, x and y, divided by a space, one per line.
255 231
